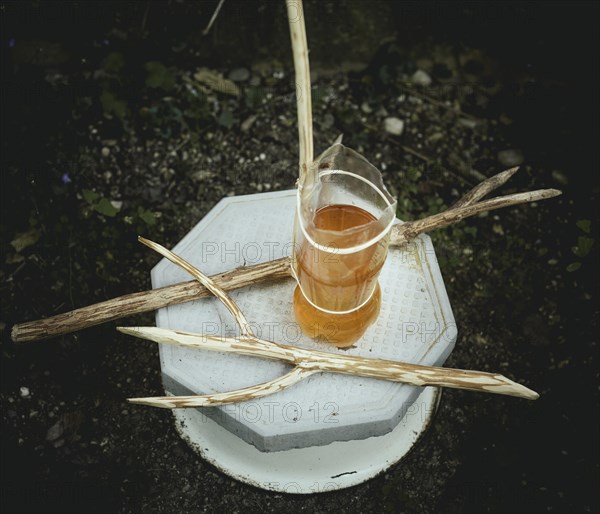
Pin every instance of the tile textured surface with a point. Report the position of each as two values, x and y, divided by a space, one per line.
415 325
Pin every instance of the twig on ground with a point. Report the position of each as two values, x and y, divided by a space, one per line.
213 18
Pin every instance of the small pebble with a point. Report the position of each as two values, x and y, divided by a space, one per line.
24 392
560 177
328 120
420 78
239 74
247 123
394 126
511 157
105 151
468 123
366 108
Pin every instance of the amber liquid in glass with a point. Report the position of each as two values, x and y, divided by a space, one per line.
338 281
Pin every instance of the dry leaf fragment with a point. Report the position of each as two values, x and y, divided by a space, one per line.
215 81
25 239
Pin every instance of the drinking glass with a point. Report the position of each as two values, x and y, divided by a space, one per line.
344 215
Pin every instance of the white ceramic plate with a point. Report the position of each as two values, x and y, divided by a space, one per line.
314 469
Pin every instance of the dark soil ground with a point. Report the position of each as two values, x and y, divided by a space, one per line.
107 134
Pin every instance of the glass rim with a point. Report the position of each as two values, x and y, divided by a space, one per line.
352 249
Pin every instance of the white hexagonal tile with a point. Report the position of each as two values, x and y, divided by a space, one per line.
415 325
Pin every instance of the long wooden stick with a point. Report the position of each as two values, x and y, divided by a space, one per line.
295 13
206 282
312 361
412 229
305 361
484 188
144 301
